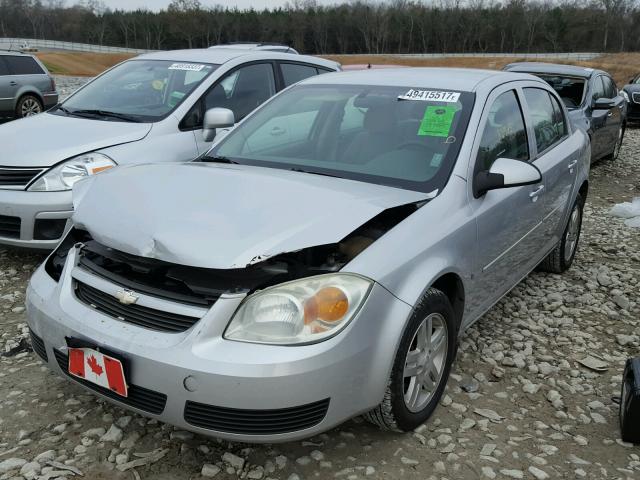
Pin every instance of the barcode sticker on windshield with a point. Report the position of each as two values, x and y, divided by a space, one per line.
190 67
431 96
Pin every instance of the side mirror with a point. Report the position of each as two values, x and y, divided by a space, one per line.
505 173
603 104
215 118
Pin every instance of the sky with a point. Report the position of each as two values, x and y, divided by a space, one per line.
241 4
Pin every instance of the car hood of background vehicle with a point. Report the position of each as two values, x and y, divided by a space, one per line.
632 87
224 216
46 139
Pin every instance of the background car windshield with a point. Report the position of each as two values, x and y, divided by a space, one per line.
570 89
144 89
357 132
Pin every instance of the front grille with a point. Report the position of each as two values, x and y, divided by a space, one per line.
139 397
151 318
636 97
255 422
38 345
18 177
10 226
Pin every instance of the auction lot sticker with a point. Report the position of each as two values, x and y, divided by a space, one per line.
431 96
190 67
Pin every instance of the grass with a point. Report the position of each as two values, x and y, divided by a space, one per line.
80 64
621 66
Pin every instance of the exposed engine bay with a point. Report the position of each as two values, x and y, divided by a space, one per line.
203 286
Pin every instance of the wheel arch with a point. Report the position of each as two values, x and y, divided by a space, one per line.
452 286
28 91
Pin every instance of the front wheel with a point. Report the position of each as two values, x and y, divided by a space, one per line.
28 106
561 257
421 367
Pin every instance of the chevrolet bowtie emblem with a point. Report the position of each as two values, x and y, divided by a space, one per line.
126 296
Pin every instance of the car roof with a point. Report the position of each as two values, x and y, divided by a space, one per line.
460 79
553 68
272 47
223 55
14 53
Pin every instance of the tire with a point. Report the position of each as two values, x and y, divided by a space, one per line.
561 257
28 105
616 148
400 411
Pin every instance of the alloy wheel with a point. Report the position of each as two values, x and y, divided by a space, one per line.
30 107
573 232
425 362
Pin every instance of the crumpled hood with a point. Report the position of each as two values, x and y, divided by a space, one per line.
224 216
46 139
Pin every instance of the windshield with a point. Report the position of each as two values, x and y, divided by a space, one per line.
570 89
394 136
138 90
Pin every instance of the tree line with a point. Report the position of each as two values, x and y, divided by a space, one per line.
359 26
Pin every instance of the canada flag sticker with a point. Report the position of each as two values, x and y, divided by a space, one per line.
98 369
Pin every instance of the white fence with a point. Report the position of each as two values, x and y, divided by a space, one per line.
16 43
577 56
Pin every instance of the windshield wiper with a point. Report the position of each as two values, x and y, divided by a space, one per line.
300 170
65 110
218 159
105 113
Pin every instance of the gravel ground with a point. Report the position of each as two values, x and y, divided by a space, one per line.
67 85
518 404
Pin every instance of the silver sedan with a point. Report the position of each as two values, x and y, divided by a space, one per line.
322 260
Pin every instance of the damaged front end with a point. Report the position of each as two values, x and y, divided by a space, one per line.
203 286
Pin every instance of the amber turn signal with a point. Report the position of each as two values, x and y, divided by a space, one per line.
329 304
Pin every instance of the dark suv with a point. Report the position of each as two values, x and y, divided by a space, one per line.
592 98
26 88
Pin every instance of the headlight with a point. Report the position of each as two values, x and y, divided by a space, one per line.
302 311
63 176
625 95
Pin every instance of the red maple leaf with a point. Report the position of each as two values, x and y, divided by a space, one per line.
93 364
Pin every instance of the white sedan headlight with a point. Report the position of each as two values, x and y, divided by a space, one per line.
63 176
625 95
302 311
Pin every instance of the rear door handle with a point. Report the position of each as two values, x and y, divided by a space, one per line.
12 83
534 195
277 131
572 165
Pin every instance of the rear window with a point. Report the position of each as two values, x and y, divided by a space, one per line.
24 66
293 73
570 89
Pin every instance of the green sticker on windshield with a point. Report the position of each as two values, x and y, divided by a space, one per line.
437 121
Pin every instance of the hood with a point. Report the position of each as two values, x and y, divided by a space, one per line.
632 87
224 216
46 139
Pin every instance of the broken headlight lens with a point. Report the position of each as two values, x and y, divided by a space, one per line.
64 175
302 311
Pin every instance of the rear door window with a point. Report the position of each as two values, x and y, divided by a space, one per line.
24 66
4 70
544 118
294 73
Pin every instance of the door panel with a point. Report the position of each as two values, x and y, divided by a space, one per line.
508 220
600 141
7 90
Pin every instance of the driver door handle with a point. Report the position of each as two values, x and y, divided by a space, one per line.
277 131
536 192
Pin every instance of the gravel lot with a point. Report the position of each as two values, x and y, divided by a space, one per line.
518 405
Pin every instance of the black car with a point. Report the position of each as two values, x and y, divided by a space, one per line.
593 101
632 91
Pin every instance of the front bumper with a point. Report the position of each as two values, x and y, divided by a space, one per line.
633 112
29 207
349 370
